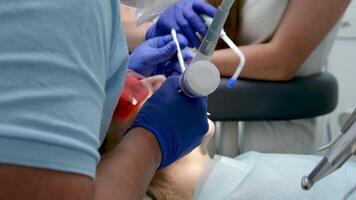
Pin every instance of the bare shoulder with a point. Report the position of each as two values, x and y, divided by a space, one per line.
18 182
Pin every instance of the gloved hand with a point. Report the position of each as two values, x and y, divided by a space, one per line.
178 122
158 56
184 17
171 67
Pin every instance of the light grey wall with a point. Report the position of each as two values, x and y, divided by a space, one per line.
342 63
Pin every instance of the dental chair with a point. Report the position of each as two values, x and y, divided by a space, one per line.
251 100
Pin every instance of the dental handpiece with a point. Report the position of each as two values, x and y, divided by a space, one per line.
340 151
201 77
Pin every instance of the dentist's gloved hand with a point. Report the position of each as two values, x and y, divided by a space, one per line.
184 17
178 122
158 56
171 67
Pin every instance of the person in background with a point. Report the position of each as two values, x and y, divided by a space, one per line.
280 39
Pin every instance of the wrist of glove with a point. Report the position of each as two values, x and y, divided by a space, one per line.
178 122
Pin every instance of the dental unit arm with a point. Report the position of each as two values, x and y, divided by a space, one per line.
341 149
202 78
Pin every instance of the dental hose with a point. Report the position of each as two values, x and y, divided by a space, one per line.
232 81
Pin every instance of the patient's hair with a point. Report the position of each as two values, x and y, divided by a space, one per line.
159 188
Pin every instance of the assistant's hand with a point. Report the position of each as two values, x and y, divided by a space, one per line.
178 122
184 17
157 56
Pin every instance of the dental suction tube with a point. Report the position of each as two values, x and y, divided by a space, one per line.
202 78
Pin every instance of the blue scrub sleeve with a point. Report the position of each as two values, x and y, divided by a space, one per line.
58 76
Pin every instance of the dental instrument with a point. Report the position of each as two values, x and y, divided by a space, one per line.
233 46
341 149
202 78
179 51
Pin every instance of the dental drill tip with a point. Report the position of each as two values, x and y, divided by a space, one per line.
306 184
231 83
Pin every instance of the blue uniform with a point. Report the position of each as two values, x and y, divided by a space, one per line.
62 64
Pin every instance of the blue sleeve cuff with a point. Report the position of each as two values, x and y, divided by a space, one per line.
46 156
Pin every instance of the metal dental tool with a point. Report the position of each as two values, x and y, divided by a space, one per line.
341 149
202 78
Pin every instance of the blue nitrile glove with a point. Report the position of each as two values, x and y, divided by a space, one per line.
184 17
157 55
178 122
171 67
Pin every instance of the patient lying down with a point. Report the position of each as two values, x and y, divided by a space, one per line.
249 176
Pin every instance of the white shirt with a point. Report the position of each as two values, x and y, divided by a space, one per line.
260 20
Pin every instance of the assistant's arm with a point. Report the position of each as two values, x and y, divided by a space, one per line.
135 35
302 28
